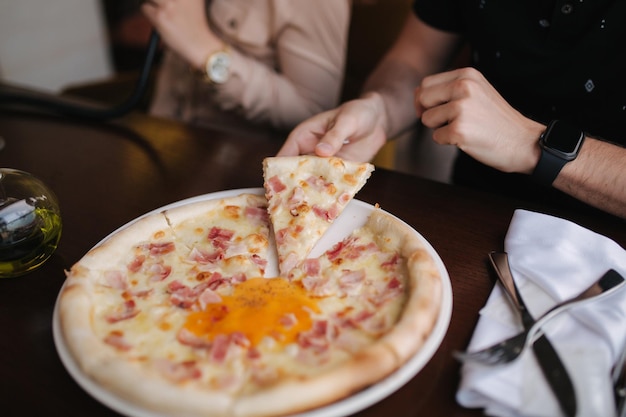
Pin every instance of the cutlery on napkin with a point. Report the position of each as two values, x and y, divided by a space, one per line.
552 259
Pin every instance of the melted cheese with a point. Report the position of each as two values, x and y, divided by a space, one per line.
257 308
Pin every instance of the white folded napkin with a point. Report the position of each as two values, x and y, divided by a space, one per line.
552 260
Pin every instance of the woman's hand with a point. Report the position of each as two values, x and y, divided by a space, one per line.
184 28
353 131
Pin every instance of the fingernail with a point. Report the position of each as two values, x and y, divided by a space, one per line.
324 148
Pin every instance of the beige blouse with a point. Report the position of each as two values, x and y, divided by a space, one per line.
287 64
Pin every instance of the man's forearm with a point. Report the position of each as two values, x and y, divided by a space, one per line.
597 176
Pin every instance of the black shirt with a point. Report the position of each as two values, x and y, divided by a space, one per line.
555 59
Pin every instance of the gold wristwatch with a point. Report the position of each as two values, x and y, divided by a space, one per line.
217 66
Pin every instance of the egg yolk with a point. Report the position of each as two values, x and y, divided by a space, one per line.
258 308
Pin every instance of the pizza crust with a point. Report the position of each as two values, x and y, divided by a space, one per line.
422 307
297 395
114 249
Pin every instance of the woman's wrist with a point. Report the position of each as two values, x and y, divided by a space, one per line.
379 109
198 53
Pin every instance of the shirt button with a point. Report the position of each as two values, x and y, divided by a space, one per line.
567 8
544 23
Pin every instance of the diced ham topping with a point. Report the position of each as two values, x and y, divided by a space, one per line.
295 201
280 236
394 283
320 184
355 320
393 289
217 280
288 320
362 316
328 214
254 353
187 338
318 338
220 238
296 197
159 271
163 248
283 236
202 257
311 267
374 325
175 285
116 339
350 282
220 348
208 296
257 213
240 339
259 261
361 251
391 263
137 293
276 185
289 262
136 263
365 320
127 311
116 280
334 252
218 233
178 371
319 286
350 249
184 296
238 278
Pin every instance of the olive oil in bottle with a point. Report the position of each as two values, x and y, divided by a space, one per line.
25 248
30 223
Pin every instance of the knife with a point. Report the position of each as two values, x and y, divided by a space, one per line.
549 362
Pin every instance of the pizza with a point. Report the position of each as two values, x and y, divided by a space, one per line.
180 313
305 195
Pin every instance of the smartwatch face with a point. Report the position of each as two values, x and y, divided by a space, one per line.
563 139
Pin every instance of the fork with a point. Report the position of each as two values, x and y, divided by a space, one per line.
510 349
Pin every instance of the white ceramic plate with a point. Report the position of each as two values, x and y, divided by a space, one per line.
354 216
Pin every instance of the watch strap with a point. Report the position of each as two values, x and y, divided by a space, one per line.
548 168
559 144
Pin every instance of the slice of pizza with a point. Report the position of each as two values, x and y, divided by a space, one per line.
305 195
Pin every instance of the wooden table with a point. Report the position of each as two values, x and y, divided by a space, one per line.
108 174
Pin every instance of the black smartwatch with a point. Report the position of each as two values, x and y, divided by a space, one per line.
559 144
